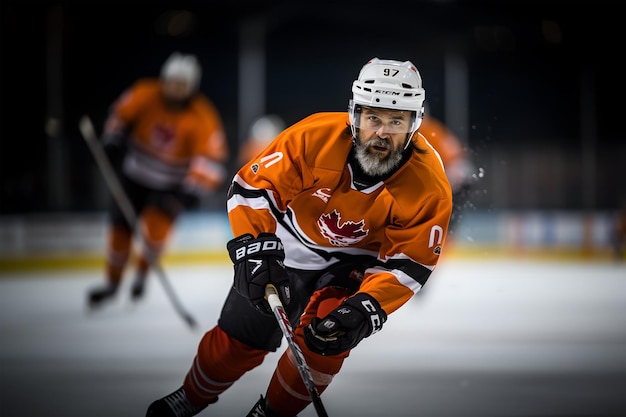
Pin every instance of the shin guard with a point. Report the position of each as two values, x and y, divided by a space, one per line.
118 252
219 363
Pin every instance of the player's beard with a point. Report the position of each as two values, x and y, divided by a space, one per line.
375 163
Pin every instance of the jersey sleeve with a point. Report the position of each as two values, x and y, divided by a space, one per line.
211 137
128 106
412 253
209 147
263 187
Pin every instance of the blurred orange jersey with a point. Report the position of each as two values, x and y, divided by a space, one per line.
448 146
303 187
169 146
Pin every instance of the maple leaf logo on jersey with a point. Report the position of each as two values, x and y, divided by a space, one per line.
341 234
162 136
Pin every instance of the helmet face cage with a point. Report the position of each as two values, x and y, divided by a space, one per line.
388 84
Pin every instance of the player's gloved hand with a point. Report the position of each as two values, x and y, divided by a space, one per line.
189 196
258 262
114 148
343 328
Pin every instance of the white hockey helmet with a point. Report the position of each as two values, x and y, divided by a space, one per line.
388 84
266 128
182 67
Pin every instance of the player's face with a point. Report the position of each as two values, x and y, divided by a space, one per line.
381 137
175 91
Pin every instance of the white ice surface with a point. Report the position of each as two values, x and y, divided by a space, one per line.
498 338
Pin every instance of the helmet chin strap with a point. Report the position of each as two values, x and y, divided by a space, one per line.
408 141
418 121
354 137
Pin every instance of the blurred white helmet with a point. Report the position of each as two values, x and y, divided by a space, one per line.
182 67
266 128
388 84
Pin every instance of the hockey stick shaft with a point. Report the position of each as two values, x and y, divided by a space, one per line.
283 321
122 200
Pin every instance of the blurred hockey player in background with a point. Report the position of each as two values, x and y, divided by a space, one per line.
460 169
167 143
262 131
346 214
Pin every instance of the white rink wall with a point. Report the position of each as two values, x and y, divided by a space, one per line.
80 234
85 234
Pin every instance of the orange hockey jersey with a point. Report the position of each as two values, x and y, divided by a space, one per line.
449 147
169 146
302 188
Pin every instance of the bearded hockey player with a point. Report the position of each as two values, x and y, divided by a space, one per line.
346 214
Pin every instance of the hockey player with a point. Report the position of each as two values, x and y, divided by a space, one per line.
167 142
460 170
346 215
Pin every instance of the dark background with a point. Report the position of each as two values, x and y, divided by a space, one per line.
545 82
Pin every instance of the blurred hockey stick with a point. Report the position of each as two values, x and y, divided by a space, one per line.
122 200
271 294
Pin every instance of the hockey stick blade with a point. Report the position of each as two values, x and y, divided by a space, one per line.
271 294
89 134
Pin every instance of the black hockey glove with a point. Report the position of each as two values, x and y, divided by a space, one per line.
189 196
343 328
114 147
259 262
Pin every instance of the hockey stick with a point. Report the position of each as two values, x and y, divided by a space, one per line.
122 200
271 295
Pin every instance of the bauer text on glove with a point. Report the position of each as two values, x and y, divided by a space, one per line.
343 328
257 263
